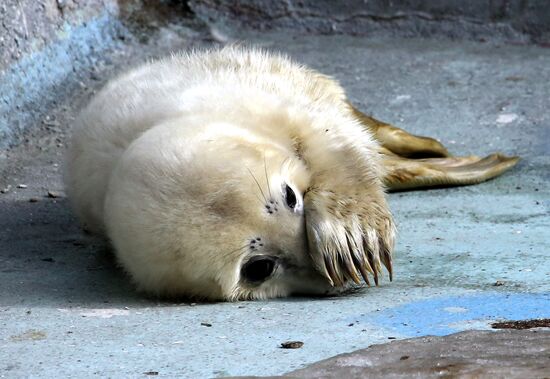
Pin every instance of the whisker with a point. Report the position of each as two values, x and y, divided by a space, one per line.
282 165
267 179
260 200
258 184
225 255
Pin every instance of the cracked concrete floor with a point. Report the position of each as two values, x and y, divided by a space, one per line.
465 256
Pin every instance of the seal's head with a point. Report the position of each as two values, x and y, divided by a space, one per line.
218 210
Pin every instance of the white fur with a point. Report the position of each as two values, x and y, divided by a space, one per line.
175 161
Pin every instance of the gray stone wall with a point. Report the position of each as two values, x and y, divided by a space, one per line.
523 21
26 26
43 45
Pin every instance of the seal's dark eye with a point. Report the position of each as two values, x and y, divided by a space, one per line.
290 197
258 268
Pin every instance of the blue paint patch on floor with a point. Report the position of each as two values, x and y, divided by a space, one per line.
448 315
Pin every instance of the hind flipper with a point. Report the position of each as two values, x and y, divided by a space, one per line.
399 141
407 174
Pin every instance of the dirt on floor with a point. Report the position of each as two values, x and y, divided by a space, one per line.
522 324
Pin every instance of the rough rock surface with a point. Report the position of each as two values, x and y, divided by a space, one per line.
471 354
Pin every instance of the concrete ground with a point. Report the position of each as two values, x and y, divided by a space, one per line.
466 257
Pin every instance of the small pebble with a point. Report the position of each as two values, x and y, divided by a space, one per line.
53 194
498 283
95 76
292 344
33 200
513 78
50 121
21 186
151 373
506 118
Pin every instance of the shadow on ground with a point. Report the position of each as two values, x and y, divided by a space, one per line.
46 260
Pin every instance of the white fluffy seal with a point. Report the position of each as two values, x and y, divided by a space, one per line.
230 174
238 174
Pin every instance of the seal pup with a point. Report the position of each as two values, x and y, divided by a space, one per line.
238 174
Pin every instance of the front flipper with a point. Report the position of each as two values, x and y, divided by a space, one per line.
406 174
